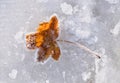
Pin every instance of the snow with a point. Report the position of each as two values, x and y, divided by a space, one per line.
113 1
18 37
86 75
82 33
13 74
93 23
116 30
66 8
47 81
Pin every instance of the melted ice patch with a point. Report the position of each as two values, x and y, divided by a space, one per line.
13 74
66 8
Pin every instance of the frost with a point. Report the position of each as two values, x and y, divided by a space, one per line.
19 37
63 73
86 75
75 9
22 57
82 33
66 8
113 1
93 23
3 6
95 39
85 14
116 30
13 74
40 1
47 81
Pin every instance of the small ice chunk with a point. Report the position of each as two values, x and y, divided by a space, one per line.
86 75
66 8
82 33
13 74
112 1
18 37
116 30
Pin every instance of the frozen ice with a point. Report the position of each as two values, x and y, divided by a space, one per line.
93 23
113 1
86 75
66 8
18 37
47 81
82 33
40 1
116 30
13 74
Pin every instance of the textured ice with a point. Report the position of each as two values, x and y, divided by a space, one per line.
116 30
18 37
13 74
112 1
66 8
94 23
86 75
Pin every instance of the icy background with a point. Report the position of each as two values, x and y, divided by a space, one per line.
94 23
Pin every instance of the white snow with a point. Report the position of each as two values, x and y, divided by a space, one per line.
82 33
86 75
85 21
63 73
47 81
112 1
19 37
40 1
85 14
116 30
66 8
22 57
13 74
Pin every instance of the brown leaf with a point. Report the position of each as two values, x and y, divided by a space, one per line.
45 40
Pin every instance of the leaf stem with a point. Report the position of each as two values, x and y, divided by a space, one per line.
82 47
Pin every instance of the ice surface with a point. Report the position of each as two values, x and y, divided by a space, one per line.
113 1
86 75
66 8
116 30
94 23
13 74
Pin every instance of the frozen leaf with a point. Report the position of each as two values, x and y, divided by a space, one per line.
45 40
